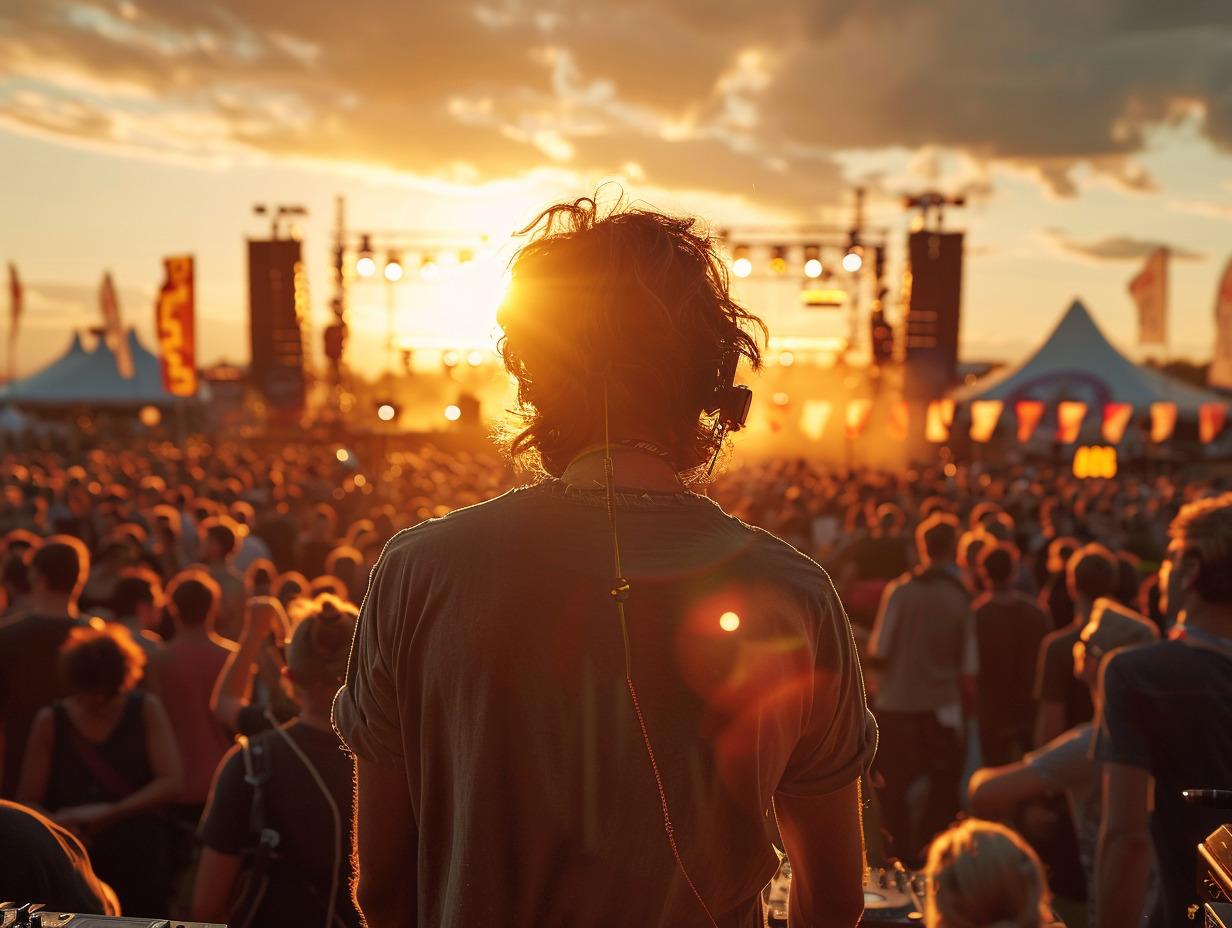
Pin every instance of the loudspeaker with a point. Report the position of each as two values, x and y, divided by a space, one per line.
277 301
931 338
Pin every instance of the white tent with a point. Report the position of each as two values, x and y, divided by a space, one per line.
82 377
1078 363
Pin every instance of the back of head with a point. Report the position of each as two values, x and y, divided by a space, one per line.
221 532
61 562
624 306
192 596
135 587
100 659
999 564
321 643
983 875
937 536
1205 529
1091 572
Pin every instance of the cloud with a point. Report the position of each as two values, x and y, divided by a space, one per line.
1117 248
739 97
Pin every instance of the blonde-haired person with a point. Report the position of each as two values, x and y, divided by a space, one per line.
983 875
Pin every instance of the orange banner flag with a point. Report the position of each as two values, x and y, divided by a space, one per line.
1163 421
985 414
1116 418
857 417
814 418
1029 413
940 418
1070 416
1149 288
1211 419
897 426
174 318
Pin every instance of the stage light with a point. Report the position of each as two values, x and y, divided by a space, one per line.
429 269
741 265
786 359
729 621
393 268
778 259
812 261
150 416
853 260
386 412
450 359
453 413
342 455
365 266
474 358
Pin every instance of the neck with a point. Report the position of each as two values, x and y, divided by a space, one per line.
1215 620
633 465
58 605
316 717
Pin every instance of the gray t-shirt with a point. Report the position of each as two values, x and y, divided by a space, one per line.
1065 763
489 665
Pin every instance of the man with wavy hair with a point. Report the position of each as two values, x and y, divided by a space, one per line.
588 701
1166 727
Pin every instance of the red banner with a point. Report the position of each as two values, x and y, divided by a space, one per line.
1116 418
1211 420
1029 413
1149 288
175 321
115 329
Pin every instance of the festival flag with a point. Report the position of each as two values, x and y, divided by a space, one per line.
1116 418
1029 413
1220 372
897 426
1163 421
14 313
857 417
1070 416
115 331
814 418
1150 291
985 414
940 418
174 320
1211 420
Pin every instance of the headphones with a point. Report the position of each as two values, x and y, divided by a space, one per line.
731 400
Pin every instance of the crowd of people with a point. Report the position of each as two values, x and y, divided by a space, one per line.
159 603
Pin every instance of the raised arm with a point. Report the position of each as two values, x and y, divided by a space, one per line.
231 690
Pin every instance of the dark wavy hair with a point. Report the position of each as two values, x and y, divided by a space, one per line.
625 302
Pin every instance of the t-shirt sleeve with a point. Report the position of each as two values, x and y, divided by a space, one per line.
1117 739
366 711
225 825
1064 762
840 736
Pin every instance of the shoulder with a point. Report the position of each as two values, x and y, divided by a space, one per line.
505 508
1130 668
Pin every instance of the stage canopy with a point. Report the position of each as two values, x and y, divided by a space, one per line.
90 377
1077 363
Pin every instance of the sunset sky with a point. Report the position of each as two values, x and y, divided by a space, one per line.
1083 134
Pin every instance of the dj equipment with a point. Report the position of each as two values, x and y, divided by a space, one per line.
32 915
892 897
1215 866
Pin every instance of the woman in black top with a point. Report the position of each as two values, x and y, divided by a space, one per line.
103 760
